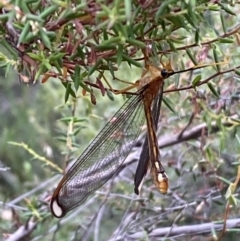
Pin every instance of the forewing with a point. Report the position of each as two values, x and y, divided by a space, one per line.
102 158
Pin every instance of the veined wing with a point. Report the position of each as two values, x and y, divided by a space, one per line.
102 158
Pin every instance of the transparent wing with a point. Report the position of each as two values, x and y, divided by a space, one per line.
102 158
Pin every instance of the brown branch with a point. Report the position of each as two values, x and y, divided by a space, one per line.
187 230
205 81
225 35
193 133
202 82
22 231
186 127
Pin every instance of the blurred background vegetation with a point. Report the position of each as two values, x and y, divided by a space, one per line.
55 58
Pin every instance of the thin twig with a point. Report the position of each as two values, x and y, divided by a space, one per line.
187 229
22 231
34 190
36 156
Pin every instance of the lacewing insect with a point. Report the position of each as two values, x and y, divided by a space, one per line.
106 153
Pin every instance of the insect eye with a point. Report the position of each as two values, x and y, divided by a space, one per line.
164 73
